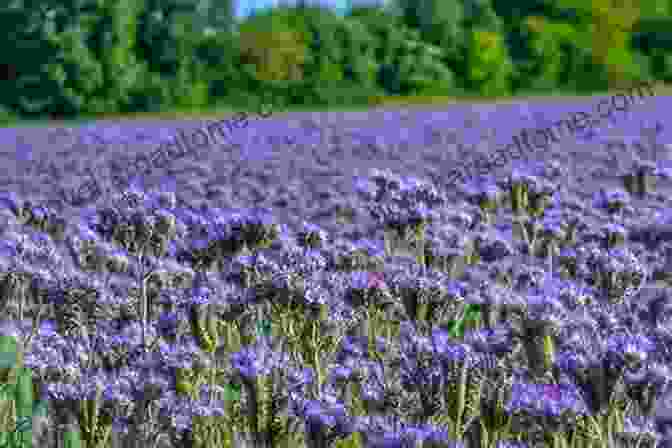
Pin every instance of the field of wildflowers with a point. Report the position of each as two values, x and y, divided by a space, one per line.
511 318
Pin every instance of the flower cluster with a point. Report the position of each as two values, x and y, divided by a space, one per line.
513 321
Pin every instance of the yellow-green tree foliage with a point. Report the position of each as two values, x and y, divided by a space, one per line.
488 62
275 49
607 25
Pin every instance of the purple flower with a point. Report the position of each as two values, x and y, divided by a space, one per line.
341 373
545 399
434 435
352 347
552 392
48 328
376 280
299 378
256 360
366 188
610 200
59 391
168 322
11 200
202 298
178 356
359 280
511 444
629 348
9 328
440 340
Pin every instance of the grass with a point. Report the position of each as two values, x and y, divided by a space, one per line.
212 112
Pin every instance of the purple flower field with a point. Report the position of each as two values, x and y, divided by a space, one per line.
317 282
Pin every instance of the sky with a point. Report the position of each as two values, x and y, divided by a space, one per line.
245 6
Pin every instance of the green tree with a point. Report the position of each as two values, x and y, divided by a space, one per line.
113 40
653 33
333 57
271 49
442 23
420 68
319 28
488 63
652 38
55 73
323 76
607 27
219 14
169 33
449 25
76 57
550 47
220 55
406 63
161 25
358 53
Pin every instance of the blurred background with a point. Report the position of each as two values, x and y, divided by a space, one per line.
78 58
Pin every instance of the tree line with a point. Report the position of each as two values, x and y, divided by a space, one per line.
69 58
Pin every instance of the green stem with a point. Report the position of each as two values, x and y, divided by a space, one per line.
457 329
316 353
72 439
22 390
423 311
24 406
371 333
472 312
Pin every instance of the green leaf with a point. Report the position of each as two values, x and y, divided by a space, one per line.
264 328
232 392
5 440
24 424
456 328
473 308
8 351
24 394
40 408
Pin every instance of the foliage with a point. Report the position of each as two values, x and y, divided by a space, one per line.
151 94
7 116
272 49
161 26
490 67
341 94
65 58
553 54
112 40
55 73
607 25
219 15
